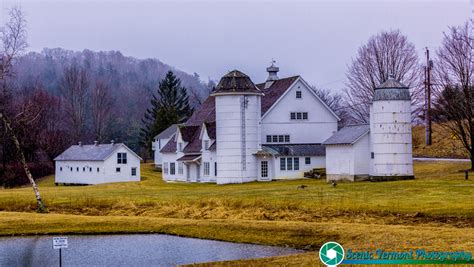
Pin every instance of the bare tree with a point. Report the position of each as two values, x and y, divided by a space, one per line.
74 88
453 107
13 40
13 43
101 106
336 103
387 53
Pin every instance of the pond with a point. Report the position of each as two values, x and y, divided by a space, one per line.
127 250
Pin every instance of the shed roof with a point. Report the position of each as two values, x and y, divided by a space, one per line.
348 135
98 152
168 132
295 150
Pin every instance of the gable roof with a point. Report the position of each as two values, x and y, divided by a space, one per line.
205 113
348 135
211 129
90 152
188 132
275 91
168 132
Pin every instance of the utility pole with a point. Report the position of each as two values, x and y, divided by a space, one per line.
428 130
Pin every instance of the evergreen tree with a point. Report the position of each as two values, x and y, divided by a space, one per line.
169 106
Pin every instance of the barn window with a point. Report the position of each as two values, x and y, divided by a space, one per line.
287 138
289 164
180 168
134 171
305 115
77 169
215 168
293 115
121 158
117 169
61 168
206 144
296 164
165 167
90 169
298 115
172 168
298 94
307 160
180 147
281 138
83 169
206 168
275 138
71 168
269 138
282 164
98 169
372 155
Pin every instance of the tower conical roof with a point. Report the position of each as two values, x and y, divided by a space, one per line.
391 89
236 82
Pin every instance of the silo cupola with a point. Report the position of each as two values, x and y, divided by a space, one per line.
236 82
391 89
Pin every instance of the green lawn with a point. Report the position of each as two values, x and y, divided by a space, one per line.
436 210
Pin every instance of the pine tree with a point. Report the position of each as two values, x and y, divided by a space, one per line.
169 106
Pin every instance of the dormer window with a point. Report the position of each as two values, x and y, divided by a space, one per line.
180 147
298 94
206 144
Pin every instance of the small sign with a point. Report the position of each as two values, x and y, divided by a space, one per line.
59 242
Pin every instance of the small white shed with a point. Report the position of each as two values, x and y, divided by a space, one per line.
97 164
347 154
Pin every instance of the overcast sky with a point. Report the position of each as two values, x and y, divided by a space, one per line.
314 39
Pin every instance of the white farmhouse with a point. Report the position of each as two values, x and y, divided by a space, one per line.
96 164
245 132
160 141
380 151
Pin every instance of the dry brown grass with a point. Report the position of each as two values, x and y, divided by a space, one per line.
444 145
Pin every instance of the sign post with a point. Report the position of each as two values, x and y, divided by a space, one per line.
60 243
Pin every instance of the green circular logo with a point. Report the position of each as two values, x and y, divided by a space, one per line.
331 253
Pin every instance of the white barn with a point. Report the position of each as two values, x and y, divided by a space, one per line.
160 141
245 132
380 151
97 164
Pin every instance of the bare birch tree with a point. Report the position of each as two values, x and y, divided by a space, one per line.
454 105
387 53
13 43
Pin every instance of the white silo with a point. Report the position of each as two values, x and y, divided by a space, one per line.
390 132
238 112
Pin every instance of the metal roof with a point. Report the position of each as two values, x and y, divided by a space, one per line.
295 150
348 135
190 157
391 89
90 152
168 132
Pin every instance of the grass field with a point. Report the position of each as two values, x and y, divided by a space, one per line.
434 211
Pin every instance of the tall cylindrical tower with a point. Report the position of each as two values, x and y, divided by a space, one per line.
390 128
238 112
